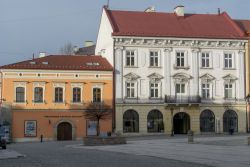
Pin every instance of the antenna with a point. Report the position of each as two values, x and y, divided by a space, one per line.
108 3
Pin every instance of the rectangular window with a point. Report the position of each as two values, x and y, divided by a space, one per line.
205 60
180 59
20 94
206 91
228 60
154 59
38 96
130 87
154 90
97 95
76 95
228 91
130 58
180 88
58 95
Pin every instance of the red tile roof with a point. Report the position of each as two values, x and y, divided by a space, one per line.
244 25
62 62
157 24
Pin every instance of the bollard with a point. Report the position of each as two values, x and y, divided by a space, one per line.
41 138
248 141
190 136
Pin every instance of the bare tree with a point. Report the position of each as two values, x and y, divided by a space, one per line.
67 49
97 112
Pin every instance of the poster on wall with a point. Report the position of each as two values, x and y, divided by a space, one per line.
30 129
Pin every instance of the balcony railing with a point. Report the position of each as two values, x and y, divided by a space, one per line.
182 99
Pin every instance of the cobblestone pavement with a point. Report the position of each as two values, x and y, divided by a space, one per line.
226 151
9 154
63 154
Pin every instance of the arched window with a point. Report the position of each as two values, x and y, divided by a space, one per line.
130 121
58 95
20 94
155 121
38 96
207 121
76 95
230 121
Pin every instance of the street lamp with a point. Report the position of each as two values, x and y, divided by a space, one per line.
172 121
247 98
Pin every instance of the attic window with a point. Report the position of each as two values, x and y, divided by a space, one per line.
45 63
32 62
92 64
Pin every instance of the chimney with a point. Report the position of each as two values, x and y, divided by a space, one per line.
42 54
150 9
89 43
179 10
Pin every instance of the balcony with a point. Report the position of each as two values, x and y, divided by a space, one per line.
182 100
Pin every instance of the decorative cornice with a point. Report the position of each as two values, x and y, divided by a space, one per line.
175 42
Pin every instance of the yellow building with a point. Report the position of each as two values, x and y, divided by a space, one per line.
48 96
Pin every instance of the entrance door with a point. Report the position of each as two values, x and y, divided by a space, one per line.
64 131
181 123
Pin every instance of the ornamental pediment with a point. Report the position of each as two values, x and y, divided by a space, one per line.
230 78
155 77
131 76
182 77
207 78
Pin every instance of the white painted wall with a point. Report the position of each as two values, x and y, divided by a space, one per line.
104 44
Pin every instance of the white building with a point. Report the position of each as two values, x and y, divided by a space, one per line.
175 71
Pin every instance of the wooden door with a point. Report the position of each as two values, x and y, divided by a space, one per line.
64 131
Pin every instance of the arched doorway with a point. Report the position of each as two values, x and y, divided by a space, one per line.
181 123
64 131
207 121
230 121
130 122
155 121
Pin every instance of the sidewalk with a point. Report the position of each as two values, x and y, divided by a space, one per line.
225 151
9 154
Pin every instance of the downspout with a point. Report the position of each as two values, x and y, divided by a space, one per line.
114 90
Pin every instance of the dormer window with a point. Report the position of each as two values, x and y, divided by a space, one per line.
32 62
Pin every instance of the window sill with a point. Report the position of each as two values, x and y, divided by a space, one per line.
178 68
20 103
229 68
154 67
206 68
77 103
155 98
131 67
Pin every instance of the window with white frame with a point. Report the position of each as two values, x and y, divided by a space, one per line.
130 89
20 94
97 93
130 58
77 95
228 90
154 90
154 58
38 95
180 59
205 60
228 60
180 88
205 90
58 95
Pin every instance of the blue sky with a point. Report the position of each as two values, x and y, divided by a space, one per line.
33 26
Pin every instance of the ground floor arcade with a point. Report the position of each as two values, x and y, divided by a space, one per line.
133 119
53 125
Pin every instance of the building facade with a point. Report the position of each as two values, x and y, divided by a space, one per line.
49 95
174 73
